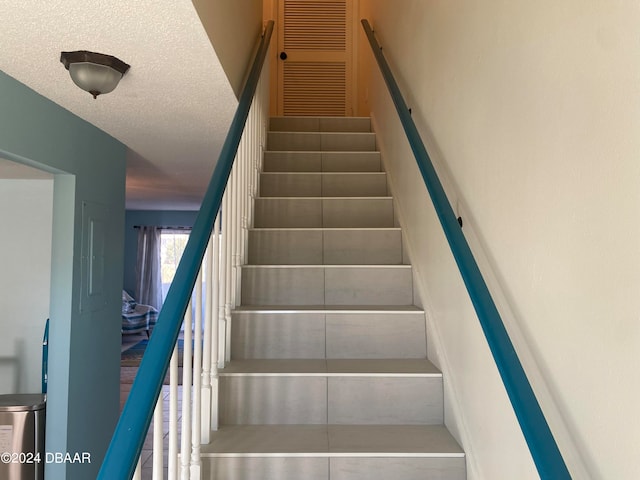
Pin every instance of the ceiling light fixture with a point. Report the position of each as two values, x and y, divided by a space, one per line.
95 73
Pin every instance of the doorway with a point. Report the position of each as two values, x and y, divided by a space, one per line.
315 57
26 213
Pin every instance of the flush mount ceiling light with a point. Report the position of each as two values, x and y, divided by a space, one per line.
95 73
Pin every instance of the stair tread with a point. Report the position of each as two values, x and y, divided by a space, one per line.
410 367
329 153
328 133
325 152
333 440
351 173
329 308
400 266
373 197
341 229
321 132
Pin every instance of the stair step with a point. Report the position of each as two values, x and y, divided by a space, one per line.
322 141
392 391
400 367
329 309
323 184
333 440
287 161
320 124
344 452
365 246
328 333
327 284
317 212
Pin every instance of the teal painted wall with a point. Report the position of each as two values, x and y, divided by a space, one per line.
167 218
89 183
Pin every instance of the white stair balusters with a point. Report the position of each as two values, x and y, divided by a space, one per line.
172 467
185 443
196 412
207 321
228 259
233 263
213 354
158 434
205 387
137 474
224 272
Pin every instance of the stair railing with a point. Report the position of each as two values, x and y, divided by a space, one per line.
205 289
542 445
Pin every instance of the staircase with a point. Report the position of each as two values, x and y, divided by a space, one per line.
329 376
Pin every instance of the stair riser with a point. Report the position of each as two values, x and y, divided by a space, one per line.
329 247
322 162
397 468
322 124
312 141
327 286
340 400
336 468
273 400
323 212
270 468
319 335
374 336
323 185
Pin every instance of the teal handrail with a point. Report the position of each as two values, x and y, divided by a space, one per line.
126 444
544 450
45 358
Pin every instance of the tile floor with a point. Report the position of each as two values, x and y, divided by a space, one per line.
146 458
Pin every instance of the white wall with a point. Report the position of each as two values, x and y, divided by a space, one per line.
25 259
234 28
533 111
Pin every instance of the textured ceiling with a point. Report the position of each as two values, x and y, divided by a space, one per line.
172 108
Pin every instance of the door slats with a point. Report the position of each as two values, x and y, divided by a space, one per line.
317 39
315 25
314 89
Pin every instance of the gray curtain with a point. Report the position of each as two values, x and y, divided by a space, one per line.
148 278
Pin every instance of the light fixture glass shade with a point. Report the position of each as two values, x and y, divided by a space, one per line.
93 78
95 73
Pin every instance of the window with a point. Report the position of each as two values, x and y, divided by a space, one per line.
172 244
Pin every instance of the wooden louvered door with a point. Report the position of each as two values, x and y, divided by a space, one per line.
315 67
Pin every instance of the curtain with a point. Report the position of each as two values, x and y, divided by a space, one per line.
148 278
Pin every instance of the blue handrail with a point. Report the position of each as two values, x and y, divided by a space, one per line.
45 358
126 443
542 445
